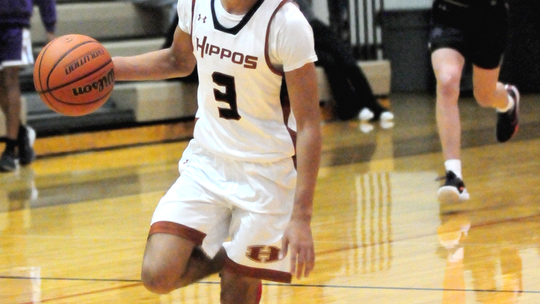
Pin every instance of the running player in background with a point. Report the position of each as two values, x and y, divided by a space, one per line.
241 206
475 31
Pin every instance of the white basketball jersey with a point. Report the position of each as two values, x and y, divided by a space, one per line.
240 115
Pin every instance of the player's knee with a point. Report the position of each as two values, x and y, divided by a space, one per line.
448 84
157 282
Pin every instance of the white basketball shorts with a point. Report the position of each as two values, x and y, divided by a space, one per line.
242 206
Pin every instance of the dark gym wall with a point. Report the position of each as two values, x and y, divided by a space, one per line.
521 64
405 36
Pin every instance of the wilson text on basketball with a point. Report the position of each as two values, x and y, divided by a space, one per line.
100 84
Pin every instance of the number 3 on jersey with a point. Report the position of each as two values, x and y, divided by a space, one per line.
228 96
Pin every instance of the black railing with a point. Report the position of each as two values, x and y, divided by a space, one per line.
360 22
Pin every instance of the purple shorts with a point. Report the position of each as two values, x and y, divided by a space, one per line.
15 47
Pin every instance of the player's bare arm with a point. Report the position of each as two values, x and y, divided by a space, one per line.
173 62
304 96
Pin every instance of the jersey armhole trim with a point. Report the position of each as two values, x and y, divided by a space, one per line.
192 16
267 38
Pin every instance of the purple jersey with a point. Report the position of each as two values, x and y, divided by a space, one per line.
19 12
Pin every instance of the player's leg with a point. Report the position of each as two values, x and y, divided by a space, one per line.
164 262
10 95
4 102
489 29
448 66
15 50
253 255
26 135
256 228
11 106
174 256
11 57
488 91
186 215
239 289
171 262
12 89
488 41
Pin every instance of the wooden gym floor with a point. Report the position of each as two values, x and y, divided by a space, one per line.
73 224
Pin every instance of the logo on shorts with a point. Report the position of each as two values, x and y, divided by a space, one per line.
263 254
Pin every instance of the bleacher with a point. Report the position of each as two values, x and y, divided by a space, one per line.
124 29
127 29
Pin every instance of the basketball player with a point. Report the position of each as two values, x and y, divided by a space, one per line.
240 205
473 30
16 51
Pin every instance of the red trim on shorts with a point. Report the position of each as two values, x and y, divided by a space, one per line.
258 273
182 231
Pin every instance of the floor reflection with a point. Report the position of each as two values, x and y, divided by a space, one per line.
73 227
374 221
478 259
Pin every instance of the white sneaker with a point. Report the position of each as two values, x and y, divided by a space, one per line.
453 190
387 115
387 124
365 127
365 114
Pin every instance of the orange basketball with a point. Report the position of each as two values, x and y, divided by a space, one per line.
74 75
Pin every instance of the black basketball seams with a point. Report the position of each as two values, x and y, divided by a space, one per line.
40 59
99 99
44 51
77 79
75 92
64 56
49 104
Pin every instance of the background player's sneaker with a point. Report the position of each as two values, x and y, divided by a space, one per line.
26 139
365 115
386 116
453 189
508 122
8 161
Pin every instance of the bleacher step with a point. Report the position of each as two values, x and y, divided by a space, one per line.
47 122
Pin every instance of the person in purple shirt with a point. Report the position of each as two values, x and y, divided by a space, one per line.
16 51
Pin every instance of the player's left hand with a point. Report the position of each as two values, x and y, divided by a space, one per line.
298 241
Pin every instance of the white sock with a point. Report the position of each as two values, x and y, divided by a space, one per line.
454 165
509 106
